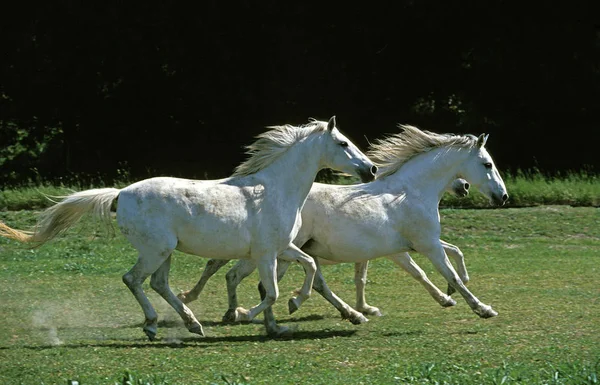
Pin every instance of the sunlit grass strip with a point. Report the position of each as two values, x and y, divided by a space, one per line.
525 189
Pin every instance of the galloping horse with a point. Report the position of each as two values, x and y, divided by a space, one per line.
254 214
395 214
243 268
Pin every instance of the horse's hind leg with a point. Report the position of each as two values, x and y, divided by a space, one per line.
360 281
134 279
160 283
267 269
345 310
212 266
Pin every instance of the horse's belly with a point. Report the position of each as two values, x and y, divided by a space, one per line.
220 242
339 248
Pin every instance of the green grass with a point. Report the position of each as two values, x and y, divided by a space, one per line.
67 315
526 189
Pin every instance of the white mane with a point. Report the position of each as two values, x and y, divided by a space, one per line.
272 144
393 151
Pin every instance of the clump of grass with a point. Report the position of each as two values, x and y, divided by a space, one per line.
506 374
130 378
532 188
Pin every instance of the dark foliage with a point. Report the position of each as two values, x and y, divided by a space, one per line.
163 88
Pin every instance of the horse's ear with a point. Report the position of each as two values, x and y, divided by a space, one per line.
331 124
482 140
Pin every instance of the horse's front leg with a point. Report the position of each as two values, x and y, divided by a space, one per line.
294 254
435 252
212 266
235 275
456 254
269 320
405 261
267 266
360 281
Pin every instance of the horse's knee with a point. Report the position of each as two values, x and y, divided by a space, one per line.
270 298
128 280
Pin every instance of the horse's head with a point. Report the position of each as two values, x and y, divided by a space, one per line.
482 172
343 155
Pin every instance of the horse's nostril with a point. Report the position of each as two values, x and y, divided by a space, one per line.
504 197
373 169
467 186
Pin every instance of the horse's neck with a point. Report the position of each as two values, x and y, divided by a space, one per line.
430 173
292 175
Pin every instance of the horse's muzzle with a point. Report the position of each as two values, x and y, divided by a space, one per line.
368 175
500 200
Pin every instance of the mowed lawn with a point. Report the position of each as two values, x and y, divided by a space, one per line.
67 315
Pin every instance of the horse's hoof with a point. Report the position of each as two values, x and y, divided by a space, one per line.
229 316
451 290
448 302
241 315
371 310
280 331
151 334
196 329
292 306
357 318
485 311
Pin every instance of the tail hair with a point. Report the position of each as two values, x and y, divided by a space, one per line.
60 217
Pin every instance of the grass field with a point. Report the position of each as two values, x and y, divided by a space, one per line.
66 315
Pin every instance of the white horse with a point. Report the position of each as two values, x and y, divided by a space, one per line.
243 268
397 213
252 215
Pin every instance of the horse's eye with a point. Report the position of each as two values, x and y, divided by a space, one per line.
344 144
487 165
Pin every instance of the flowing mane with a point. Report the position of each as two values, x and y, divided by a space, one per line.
272 144
395 150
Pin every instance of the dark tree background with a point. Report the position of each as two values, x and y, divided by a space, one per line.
92 89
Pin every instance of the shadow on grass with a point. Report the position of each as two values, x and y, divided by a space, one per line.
176 322
189 342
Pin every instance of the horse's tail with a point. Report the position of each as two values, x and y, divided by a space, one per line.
64 214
